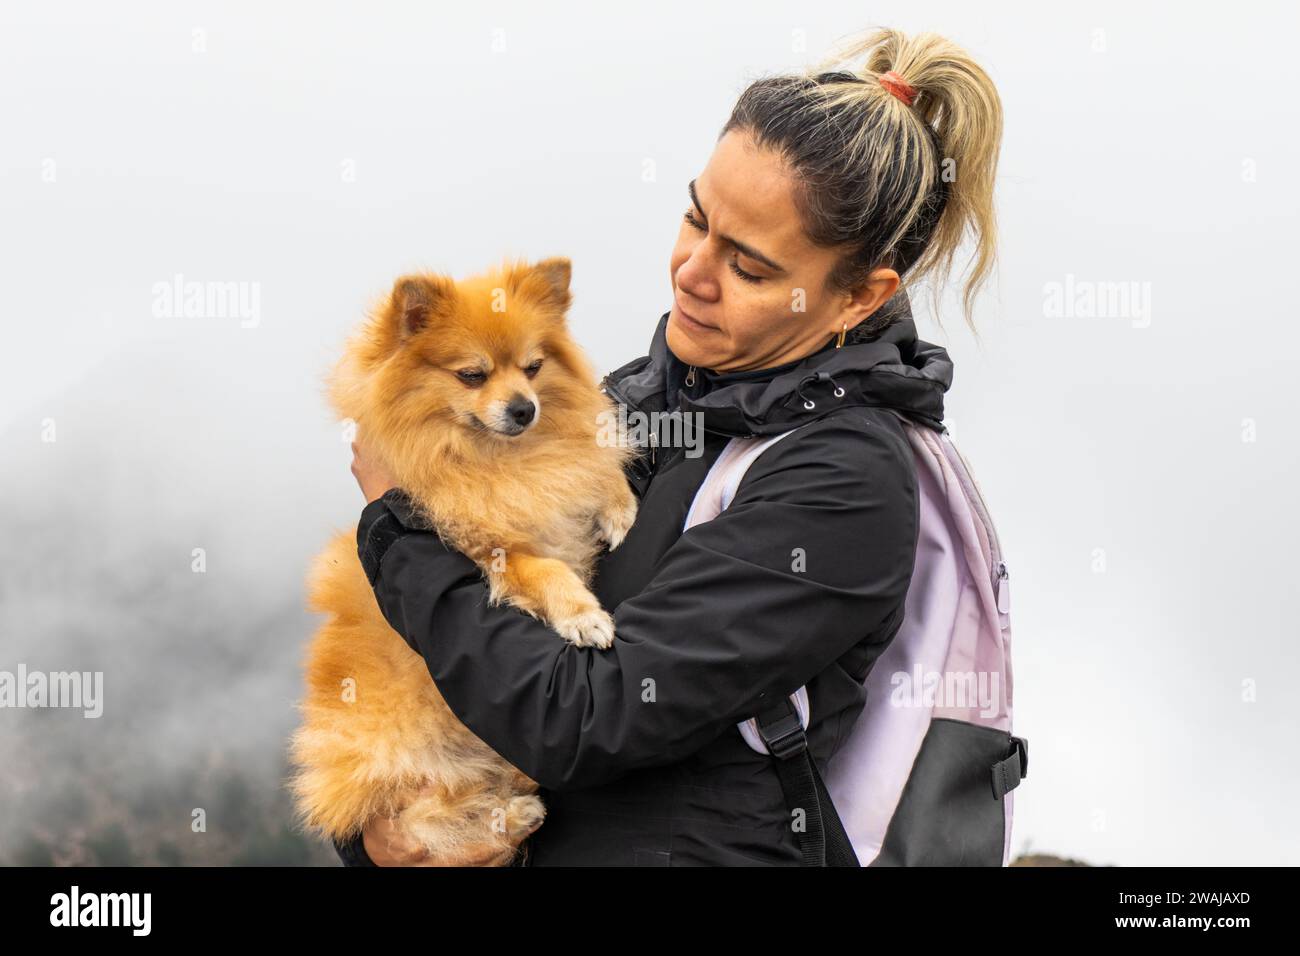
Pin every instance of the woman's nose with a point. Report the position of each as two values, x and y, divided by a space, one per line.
695 278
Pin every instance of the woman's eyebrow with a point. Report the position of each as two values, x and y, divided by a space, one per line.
746 249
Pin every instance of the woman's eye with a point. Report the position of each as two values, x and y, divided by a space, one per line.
471 376
741 273
531 370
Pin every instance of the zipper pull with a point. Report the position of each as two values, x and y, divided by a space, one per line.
690 377
1004 588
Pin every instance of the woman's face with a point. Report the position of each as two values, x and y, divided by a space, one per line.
748 286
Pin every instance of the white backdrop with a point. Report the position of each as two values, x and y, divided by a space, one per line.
1135 460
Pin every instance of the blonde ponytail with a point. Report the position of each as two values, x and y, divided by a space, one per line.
899 185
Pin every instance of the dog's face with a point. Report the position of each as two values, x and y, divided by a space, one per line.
487 355
480 367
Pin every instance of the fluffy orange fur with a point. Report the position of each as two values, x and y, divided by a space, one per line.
437 381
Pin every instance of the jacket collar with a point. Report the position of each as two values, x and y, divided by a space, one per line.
895 370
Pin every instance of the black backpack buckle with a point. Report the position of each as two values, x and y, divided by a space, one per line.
1022 745
783 736
1011 769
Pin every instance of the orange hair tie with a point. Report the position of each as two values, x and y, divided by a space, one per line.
898 86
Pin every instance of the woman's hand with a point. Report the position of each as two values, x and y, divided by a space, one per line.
370 474
386 845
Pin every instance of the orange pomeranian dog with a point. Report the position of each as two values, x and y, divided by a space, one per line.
486 413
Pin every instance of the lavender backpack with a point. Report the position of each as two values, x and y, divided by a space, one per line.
926 774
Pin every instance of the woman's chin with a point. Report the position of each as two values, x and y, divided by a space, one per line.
682 345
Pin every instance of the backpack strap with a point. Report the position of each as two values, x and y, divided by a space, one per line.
824 841
780 727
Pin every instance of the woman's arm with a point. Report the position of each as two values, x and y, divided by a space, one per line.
731 618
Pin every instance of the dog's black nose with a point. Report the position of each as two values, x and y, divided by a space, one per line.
521 410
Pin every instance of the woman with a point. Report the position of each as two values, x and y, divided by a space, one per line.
822 192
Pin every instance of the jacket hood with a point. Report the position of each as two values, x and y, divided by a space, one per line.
895 370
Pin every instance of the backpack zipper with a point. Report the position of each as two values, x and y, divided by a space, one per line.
1002 579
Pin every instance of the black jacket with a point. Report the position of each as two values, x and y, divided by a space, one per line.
801 580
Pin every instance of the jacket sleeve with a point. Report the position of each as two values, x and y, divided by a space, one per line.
353 851
814 554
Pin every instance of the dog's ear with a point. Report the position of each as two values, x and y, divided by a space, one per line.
415 299
548 282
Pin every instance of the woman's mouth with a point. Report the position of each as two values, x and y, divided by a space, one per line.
693 324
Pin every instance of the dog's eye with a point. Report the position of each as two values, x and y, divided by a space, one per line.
471 376
533 369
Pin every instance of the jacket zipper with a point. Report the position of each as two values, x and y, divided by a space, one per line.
607 387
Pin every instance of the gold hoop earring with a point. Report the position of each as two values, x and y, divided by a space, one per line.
843 331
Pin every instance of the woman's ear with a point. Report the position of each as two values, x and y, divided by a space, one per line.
879 288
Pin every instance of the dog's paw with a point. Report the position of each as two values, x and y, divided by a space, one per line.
616 522
592 628
524 814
